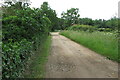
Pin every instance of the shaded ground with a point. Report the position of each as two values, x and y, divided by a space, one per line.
71 60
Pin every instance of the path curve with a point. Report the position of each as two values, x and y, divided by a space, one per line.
71 60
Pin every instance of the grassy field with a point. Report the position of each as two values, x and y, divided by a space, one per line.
103 43
37 63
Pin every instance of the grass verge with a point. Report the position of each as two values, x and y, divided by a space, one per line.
103 43
36 65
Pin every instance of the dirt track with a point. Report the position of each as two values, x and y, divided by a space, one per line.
71 60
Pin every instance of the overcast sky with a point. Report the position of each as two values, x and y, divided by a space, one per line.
95 9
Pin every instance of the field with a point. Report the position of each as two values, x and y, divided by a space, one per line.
104 43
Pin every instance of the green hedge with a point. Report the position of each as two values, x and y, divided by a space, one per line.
88 28
22 33
82 28
15 56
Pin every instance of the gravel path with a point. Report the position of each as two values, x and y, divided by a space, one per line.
71 60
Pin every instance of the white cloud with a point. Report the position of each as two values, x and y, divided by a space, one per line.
95 9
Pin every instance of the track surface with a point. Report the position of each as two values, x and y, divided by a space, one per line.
71 60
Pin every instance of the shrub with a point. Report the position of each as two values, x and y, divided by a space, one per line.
23 33
15 56
104 29
82 28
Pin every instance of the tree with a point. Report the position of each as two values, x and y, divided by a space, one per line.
71 16
112 23
11 6
51 14
86 21
15 1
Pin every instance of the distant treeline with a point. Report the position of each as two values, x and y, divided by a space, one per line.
101 23
71 17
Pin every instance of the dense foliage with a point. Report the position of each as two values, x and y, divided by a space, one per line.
51 14
111 24
23 31
87 28
70 17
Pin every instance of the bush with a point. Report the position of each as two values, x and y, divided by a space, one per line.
104 29
82 28
23 32
15 56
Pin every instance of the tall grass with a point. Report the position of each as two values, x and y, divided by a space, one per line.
37 63
103 43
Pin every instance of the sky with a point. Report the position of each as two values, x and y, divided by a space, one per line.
95 9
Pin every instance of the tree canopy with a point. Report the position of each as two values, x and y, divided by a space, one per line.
71 16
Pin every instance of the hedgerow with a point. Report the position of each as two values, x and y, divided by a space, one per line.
82 28
88 28
23 31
